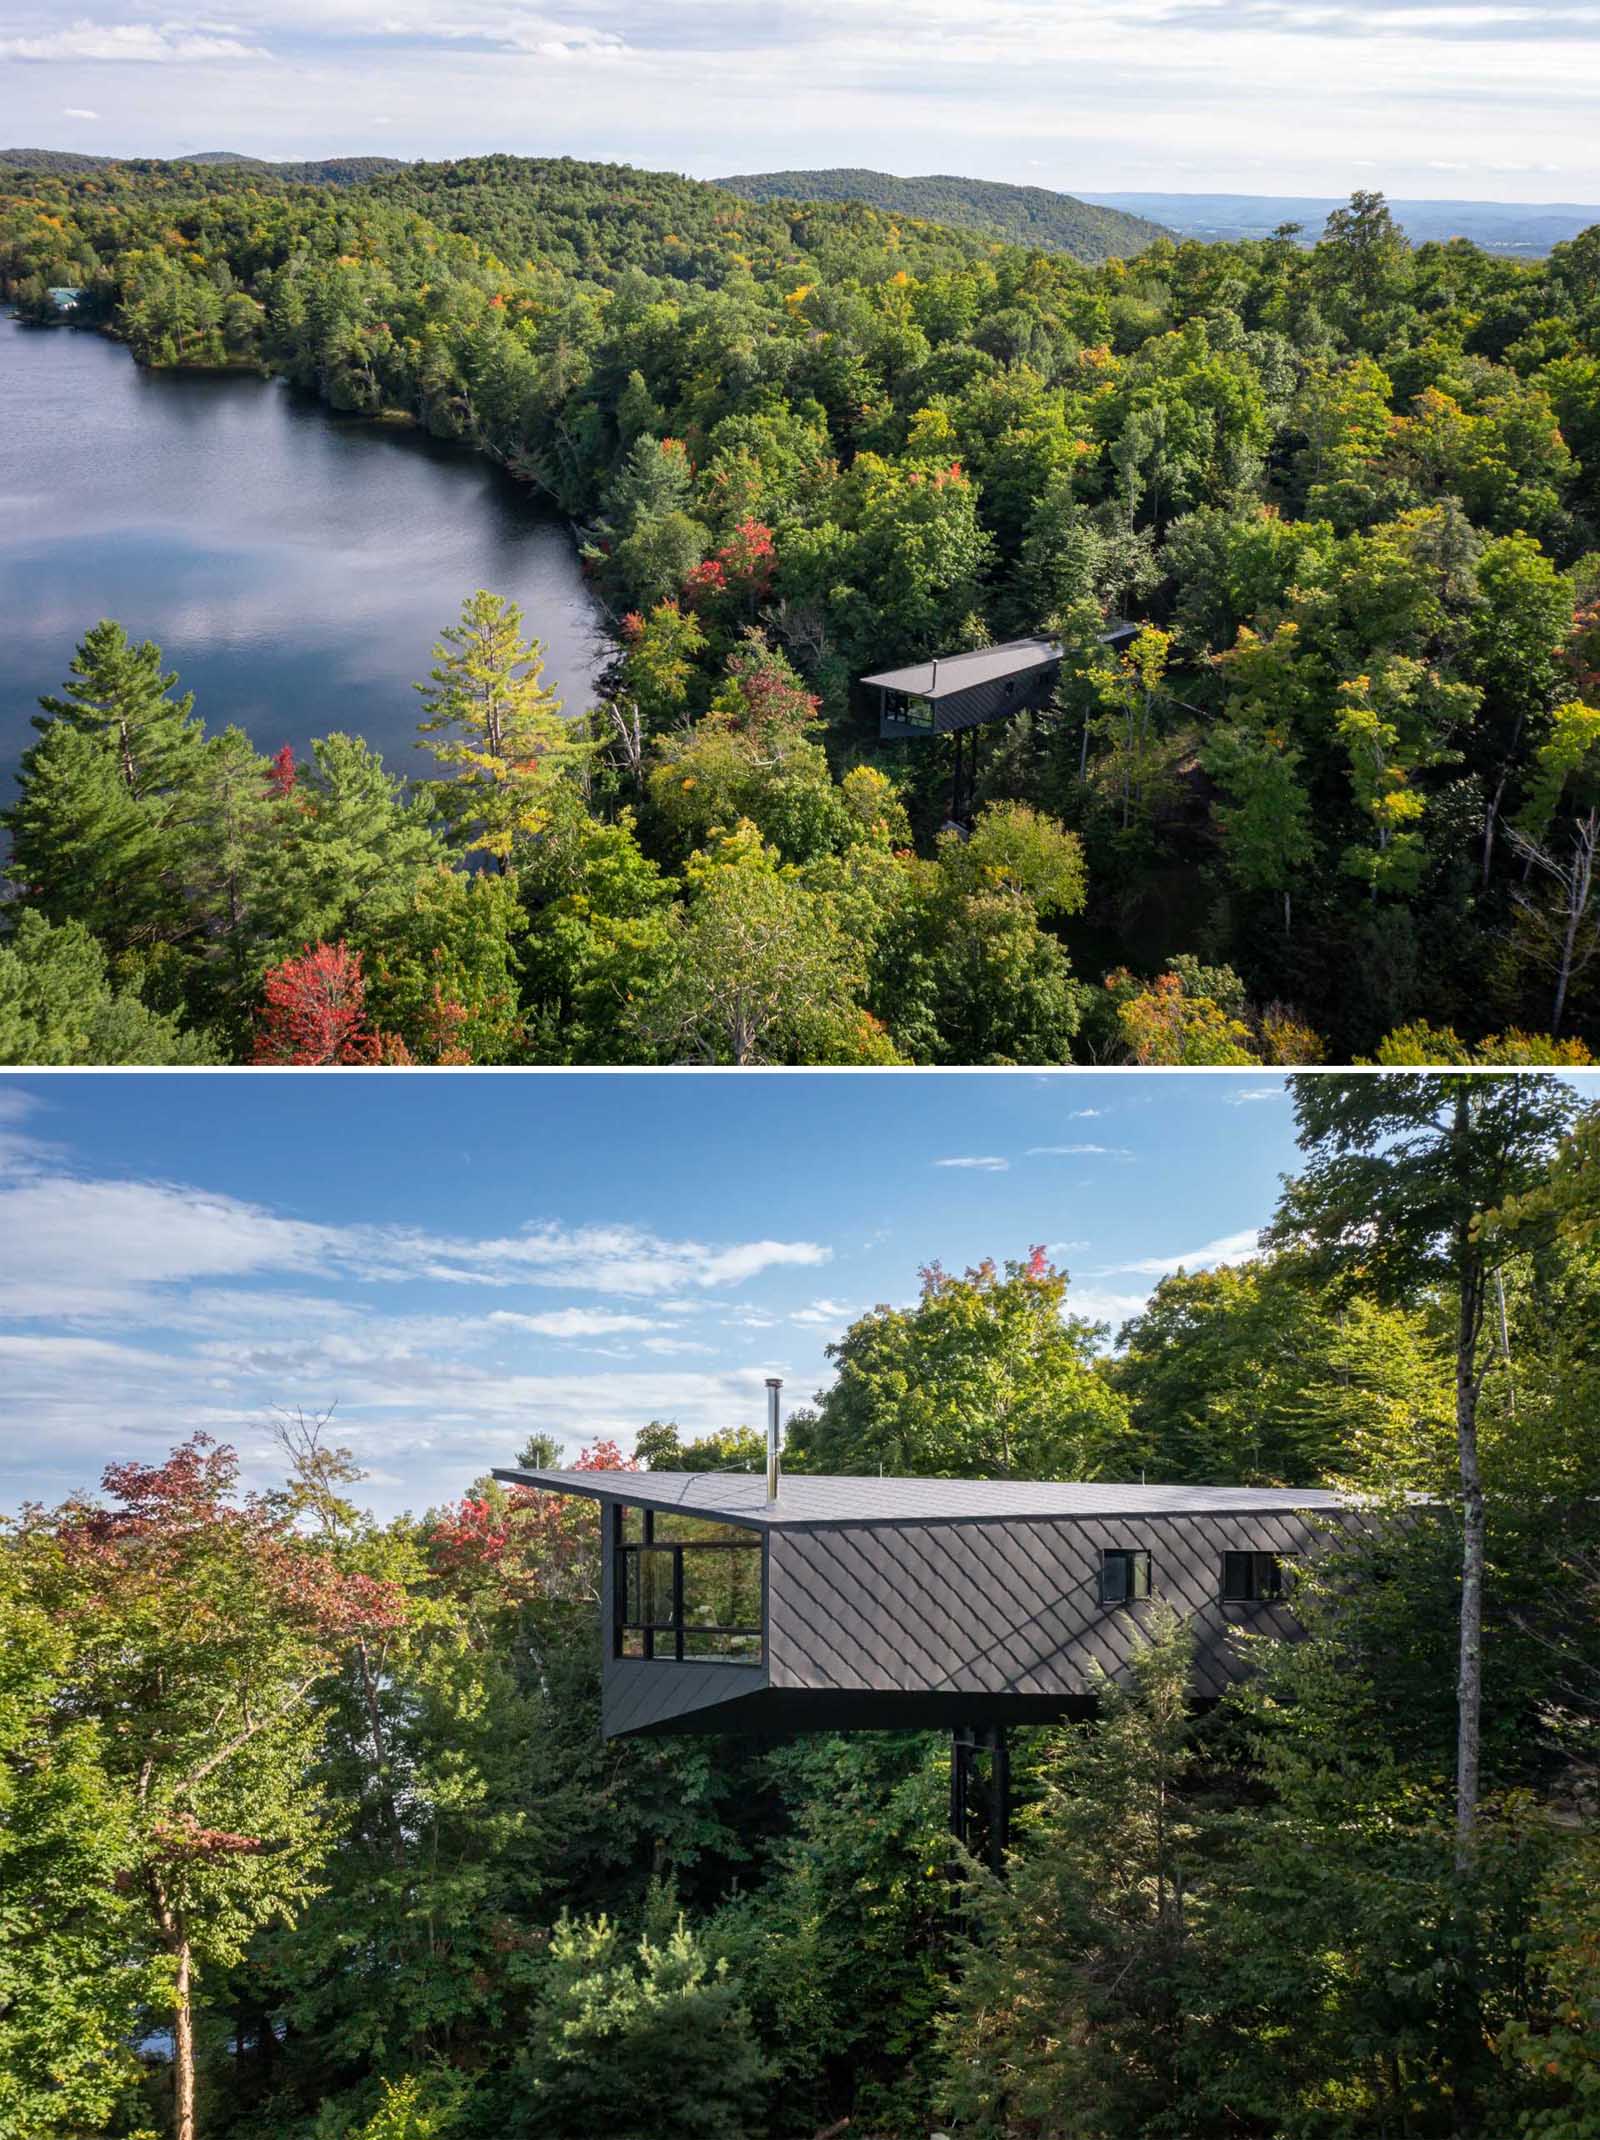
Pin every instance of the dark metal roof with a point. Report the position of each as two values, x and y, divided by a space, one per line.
948 673
963 672
741 1497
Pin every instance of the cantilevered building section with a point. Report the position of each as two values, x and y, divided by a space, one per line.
953 692
889 1603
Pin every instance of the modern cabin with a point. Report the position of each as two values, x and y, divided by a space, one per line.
734 1603
64 300
954 692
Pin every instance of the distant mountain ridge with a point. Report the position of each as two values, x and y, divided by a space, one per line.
328 171
1021 215
1526 229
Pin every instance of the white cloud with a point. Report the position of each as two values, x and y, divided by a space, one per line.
1187 93
77 1248
1239 1098
1098 1304
21 1151
1229 1248
146 43
825 1311
429 1418
987 1166
584 45
571 1322
133 1313
71 1247
76 111
1078 1151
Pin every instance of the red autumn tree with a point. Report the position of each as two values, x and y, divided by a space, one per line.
199 1623
282 772
750 558
743 567
1582 652
765 698
704 582
313 1011
531 1544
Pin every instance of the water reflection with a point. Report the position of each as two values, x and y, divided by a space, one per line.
295 567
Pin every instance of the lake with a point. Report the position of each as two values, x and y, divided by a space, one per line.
295 566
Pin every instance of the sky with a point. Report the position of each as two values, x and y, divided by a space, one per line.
1488 99
457 1262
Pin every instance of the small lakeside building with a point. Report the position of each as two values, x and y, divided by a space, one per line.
953 692
841 1603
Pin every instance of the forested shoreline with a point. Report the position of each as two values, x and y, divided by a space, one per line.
1340 799
318 1803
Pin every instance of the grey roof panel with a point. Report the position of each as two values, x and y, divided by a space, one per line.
962 672
950 673
741 1497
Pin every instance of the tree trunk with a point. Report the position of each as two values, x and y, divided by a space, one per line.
1490 817
1469 1678
125 746
1469 1684
176 1941
1578 887
380 1753
183 2045
1505 1344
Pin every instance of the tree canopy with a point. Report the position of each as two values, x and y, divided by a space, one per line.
1347 491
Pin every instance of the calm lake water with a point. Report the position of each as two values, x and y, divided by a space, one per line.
295 567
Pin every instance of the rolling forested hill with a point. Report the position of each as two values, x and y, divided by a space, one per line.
1022 215
328 171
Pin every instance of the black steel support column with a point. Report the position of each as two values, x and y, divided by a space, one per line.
967 1743
961 1752
999 1797
964 779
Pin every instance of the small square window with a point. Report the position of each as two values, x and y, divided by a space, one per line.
1251 1578
1124 1575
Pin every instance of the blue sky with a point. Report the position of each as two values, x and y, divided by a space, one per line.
461 1260
1451 98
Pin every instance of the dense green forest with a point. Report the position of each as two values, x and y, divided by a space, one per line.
320 1804
1339 799
1022 215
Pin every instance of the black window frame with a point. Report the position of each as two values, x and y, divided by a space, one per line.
1133 1561
1261 1581
666 1641
909 713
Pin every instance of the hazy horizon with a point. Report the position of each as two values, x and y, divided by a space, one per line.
1085 192
1125 95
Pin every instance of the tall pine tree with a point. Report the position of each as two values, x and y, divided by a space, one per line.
100 829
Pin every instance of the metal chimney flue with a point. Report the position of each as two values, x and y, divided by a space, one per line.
774 1386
